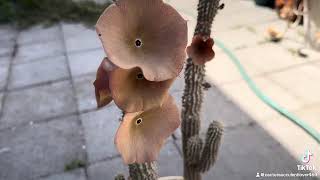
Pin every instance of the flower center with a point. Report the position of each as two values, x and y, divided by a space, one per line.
138 121
140 76
138 43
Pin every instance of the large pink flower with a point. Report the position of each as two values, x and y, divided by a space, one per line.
132 92
101 84
142 134
148 34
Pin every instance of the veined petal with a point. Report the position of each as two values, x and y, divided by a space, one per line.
132 92
148 34
142 134
101 84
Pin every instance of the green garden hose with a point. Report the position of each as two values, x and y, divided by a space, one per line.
311 131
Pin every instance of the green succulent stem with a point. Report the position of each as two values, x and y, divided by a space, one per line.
145 171
198 158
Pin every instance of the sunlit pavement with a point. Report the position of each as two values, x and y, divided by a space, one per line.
49 117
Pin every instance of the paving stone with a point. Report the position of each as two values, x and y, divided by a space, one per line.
39 34
85 62
4 59
246 151
40 149
247 101
291 35
6 48
246 37
278 94
218 106
100 128
7 32
85 92
1 98
107 169
38 103
267 58
243 17
73 175
257 146
170 162
4 68
178 84
76 34
300 81
39 51
295 139
38 72
221 70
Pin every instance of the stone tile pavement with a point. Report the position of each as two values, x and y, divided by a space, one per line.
48 115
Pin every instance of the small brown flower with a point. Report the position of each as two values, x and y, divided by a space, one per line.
142 134
101 84
132 92
148 34
201 49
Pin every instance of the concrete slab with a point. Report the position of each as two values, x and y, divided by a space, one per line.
221 70
247 150
4 70
37 104
293 138
178 84
39 34
219 107
100 128
85 92
247 101
243 17
267 58
310 114
253 157
246 36
85 62
73 175
26 53
107 169
278 94
40 149
1 98
7 32
76 34
47 70
170 162
294 34
300 81
6 48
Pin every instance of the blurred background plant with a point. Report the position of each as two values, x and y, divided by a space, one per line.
25 13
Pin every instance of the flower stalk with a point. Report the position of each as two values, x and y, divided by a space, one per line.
198 156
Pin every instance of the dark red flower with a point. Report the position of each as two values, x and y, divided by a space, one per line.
201 49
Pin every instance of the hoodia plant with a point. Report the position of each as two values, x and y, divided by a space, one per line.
145 42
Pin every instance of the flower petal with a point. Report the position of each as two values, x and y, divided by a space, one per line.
142 134
160 29
132 92
101 84
201 49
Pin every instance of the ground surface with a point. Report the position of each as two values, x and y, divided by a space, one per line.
49 116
